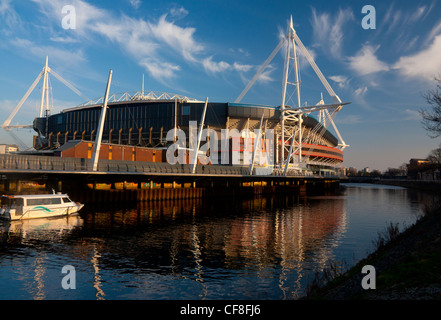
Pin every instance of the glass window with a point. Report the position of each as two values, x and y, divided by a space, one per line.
66 200
34 202
43 201
185 110
16 202
55 200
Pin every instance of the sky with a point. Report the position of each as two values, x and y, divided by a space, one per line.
213 48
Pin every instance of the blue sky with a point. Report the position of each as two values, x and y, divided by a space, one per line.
213 48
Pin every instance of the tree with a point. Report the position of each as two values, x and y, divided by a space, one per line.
435 156
432 118
403 169
396 172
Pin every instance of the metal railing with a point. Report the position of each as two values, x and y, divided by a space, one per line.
44 163
48 163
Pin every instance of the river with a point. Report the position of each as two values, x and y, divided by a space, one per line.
262 248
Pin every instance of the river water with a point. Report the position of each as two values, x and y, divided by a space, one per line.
263 248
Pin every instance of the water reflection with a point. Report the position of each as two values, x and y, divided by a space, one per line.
261 248
266 237
22 254
50 229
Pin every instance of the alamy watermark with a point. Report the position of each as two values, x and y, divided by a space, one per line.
231 147
369 20
69 281
69 20
369 280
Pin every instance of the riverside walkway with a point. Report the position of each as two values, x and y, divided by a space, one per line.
75 173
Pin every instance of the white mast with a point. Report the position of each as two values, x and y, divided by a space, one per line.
196 151
97 147
297 84
43 91
291 54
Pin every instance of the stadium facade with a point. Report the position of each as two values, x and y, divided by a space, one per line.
143 121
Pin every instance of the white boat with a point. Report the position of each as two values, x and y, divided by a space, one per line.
18 207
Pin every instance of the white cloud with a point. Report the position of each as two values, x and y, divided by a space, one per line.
178 38
135 3
329 31
365 61
265 76
342 81
56 55
394 18
178 13
436 30
418 13
244 52
425 64
242 67
222 66
360 91
5 6
148 42
160 70
86 15
9 17
160 46
211 66
134 36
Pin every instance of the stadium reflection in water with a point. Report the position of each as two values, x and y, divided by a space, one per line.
262 248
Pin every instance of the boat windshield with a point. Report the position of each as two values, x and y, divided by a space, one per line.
4 201
10 202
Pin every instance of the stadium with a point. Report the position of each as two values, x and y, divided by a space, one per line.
141 121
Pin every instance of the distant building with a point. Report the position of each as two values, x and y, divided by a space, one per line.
415 163
351 171
8 148
342 171
423 169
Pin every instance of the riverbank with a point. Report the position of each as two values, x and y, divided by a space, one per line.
408 266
